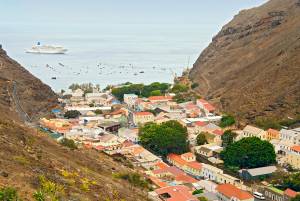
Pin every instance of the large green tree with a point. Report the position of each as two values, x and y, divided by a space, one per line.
201 139
165 138
249 152
292 181
227 120
227 138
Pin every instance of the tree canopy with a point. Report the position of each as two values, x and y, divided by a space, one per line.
227 120
141 90
249 152
292 181
165 138
227 138
201 139
72 114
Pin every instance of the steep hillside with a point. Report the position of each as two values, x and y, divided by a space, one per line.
252 66
28 155
21 92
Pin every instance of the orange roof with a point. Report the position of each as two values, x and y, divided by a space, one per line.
142 113
296 148
185 179
289 192
158 182
161 165
158 98
177 193
207 105
176 158
230 191
137 150
195 165
188 155
218 132
200 123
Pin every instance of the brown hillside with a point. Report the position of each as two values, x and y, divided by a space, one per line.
26 154
252 67
21 92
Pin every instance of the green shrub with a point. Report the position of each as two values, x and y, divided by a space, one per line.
48 190
226 121
133 178
198 191
68 143
72 114
9 194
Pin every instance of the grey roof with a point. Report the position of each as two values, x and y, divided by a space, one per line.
261 171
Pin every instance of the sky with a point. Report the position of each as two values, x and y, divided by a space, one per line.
97 12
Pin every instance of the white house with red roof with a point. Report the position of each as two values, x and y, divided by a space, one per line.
160 99
229 192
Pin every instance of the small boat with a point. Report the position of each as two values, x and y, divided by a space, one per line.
53 78
142 72
135 74
61 64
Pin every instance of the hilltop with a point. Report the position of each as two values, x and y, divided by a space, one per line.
252 66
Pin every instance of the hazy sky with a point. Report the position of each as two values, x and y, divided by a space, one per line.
121 11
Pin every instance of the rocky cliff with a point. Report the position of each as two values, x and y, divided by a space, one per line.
252 66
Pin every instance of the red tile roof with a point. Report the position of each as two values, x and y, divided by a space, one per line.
158 182
230 191
161 165
172 170
289 192
142 113
176 158
186 179
195 165
200 123
158 98
296 148
207 105
177 193
179 160
218 132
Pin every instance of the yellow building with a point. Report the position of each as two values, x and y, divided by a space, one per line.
293 157
142 117
272 134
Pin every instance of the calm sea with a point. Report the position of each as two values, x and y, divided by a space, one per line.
108 54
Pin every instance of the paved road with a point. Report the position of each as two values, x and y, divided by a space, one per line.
25 117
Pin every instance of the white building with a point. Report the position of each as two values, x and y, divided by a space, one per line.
130 100
129 134
251 131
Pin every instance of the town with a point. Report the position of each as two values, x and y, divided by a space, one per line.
182 145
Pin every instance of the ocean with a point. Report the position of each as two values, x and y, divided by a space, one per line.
106 54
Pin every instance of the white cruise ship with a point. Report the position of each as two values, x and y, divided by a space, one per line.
46 49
